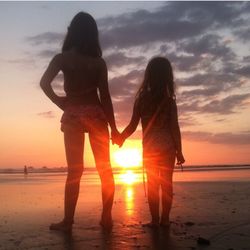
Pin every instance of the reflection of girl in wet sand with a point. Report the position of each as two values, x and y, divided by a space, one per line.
85 74
155 105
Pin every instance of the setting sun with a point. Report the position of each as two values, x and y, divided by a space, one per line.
129 177
128 157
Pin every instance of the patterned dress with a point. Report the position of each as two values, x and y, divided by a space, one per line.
158 144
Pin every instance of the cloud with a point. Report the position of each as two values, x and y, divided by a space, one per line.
184 62
120 59
48 114
218 138
246 59
228 105
224 106
210 91
57 85
243 34
203 40
27 61
47 53
126 85
243 71
208 45
172 22
46 37
187 120
208 84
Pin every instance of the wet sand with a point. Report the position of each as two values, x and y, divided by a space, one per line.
217 211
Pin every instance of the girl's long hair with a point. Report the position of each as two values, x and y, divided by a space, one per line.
83 36
158 83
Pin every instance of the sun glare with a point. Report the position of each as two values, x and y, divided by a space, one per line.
128 157
129 198
129 177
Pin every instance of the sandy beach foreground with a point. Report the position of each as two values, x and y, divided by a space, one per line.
217 211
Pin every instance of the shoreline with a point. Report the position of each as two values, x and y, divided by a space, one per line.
92 177
135 169
216 211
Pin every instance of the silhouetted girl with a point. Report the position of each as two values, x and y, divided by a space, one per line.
155 106
85 74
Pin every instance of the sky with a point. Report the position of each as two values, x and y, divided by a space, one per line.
206 42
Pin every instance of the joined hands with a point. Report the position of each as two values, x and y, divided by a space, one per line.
117 138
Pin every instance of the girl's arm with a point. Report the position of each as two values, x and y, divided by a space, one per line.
175 129
130 129
106 100
54 67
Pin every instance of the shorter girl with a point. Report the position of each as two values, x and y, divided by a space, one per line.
155 105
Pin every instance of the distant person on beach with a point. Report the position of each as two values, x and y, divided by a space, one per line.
85 75
155 106
25 170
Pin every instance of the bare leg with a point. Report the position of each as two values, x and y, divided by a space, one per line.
153 192
99 141
74 142
166 173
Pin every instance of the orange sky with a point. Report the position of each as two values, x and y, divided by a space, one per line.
211 68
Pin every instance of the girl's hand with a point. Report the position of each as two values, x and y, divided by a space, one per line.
117 138
121 140
180 158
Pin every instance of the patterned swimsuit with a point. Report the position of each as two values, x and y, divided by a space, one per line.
158 143
158 147
83 118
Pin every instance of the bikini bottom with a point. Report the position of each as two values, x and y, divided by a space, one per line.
87 118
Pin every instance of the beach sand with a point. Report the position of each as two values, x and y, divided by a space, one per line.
217 211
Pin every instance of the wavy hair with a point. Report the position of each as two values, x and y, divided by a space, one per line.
83 36
158 82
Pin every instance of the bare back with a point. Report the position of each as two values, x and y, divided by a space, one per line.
82 77
85 82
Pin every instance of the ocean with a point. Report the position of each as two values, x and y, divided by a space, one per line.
130 176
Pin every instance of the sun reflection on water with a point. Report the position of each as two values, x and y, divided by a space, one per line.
129 200
128 177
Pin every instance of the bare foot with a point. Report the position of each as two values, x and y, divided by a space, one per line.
106 221
61 226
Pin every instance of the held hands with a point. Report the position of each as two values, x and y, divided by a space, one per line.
117 138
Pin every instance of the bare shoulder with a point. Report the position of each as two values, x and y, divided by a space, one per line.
57 60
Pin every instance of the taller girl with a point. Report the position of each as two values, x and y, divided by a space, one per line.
85 74
155 105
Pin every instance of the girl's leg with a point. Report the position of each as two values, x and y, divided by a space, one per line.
74 142
99 140
153 192
166 179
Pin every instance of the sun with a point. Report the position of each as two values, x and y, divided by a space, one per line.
128 177
128 157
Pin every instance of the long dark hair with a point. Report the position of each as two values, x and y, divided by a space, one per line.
83 36
158 82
